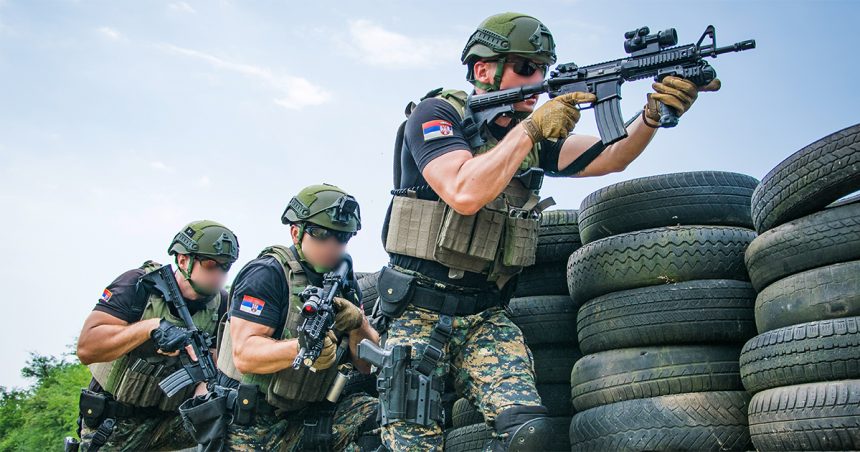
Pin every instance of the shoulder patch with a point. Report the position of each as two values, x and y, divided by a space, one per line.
438 128
252 305
106 294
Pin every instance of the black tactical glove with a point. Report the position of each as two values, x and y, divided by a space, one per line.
169 337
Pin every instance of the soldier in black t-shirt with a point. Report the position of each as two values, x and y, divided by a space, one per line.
132 339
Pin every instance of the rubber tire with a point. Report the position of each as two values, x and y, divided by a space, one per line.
829 292
813 416
542 279
823 350
809 180
828 237
657 256
553 363
471 438
638 373
544 320
705 311
694 421
369 294
558 236
713 198
464 414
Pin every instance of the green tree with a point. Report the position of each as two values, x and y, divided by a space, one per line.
38 418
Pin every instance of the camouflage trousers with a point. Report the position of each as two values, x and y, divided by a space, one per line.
487 358
271 432
136 433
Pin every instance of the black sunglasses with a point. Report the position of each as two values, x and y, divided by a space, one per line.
526 67
211 264
321 233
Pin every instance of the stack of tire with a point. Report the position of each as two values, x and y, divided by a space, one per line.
545 313
804 366
666 306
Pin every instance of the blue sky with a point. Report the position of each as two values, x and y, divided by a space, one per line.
121 121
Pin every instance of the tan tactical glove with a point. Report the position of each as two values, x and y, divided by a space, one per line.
675 92
556 118
348 317
328 354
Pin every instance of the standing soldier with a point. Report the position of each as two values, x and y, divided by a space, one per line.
464 222
132 339
280 407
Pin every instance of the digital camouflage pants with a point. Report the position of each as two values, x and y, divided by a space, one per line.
487 358
137 433
275 433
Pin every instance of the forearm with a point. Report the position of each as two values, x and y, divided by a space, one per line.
617 156
105 343
481 178
264 355
355 337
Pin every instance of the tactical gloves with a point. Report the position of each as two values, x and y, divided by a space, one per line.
675 92
557 117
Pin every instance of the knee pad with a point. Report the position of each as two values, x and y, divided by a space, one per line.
521 429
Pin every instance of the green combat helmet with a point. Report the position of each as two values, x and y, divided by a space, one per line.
323 205
204 238
504 34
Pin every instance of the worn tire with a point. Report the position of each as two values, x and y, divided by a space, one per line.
695 198
464 413
553 363
369 294
693 421
813 416
827 237
558 236
657 256
703 311
823 293
809 179
823 350
471 438
544 320
638 373
543 279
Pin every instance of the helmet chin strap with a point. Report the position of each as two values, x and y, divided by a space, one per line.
497 77
186 273
316 268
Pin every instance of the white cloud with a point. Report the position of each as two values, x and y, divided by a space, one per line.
182 7
377 46
160 166
204 182
110 33
295 92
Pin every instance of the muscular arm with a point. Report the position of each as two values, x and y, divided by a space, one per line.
256 352
467 183
105 338
614 158
356 336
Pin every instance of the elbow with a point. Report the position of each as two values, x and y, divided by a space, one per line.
85 355
242 365
465 204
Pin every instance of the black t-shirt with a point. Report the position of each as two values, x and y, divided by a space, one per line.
260 293
434 129
125 299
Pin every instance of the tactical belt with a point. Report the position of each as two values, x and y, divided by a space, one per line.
466 304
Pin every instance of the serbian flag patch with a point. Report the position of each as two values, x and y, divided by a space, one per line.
437 129
105 296
252 305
